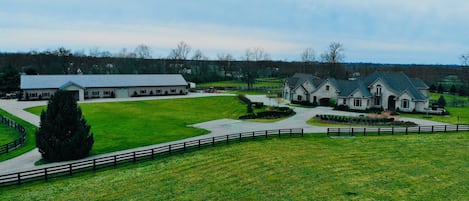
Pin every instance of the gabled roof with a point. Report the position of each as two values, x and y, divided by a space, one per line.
92 81
70 83
349 87
299 78
398 82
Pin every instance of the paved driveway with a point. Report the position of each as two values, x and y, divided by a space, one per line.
217 127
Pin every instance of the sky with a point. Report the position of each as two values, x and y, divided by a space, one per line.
376 31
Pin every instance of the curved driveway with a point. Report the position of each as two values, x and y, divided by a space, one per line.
217 127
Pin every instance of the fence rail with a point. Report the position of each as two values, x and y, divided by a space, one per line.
19 178
17 143
396 130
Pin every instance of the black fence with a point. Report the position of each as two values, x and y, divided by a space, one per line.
396 130
5 148
19 178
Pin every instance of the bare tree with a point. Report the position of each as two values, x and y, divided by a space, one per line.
225 60
333 57
177 57
464 60
252 59
308 56
335 53
198 59
143 51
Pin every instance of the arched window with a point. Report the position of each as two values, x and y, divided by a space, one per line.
378 90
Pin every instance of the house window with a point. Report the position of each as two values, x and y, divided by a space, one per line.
357 102
377 101
143 91
45 94
405 103
32 94
327 87
158 91
378 90
344 101
173 90
299 97
107 93
95 93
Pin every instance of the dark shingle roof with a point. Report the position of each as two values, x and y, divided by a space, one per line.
398 82
299 78
348 87
90 81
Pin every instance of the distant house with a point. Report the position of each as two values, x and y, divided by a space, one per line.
385 90
41 87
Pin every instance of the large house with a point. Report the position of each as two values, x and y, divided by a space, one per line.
40 87
382 90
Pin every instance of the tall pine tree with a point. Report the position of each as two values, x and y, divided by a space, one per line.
63 133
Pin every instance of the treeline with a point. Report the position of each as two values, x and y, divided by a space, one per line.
198 68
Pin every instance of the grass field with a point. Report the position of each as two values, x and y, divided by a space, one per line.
124 125
231 83
315 167
7 134
30 139
455 111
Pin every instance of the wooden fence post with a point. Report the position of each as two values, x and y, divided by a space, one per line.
94 164
45 174
302 133
19 178
199 144
392 130
352 131
406 130
115 160
266 134
169 149
278 132
379 130
184 146
135 159
70 169
445 128
364 131
152 153
457 127
227 139
432 129
213 141
419 130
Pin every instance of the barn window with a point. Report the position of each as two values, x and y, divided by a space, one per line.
327 87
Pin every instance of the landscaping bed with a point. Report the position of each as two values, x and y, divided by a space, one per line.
372 120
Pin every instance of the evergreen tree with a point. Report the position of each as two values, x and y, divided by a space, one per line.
440 89
63 133
442 101
452 90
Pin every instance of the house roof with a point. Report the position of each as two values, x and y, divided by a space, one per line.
349 87
398 82
91 81
299 78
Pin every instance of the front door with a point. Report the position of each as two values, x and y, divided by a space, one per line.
392 103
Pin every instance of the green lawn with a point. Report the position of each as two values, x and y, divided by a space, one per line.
30 137
232 83
315 167
125 125
7 134
462 112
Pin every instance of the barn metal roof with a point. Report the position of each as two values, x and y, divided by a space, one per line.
92 81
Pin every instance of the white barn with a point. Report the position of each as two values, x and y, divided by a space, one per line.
42 87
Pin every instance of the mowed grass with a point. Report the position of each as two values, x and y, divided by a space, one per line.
124 125
232 83
457 113
30 137
315 167
7 134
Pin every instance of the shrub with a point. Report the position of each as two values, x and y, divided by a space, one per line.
441 101
258 104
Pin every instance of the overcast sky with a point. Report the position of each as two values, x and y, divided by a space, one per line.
378 31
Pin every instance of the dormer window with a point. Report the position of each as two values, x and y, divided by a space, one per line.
327 87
